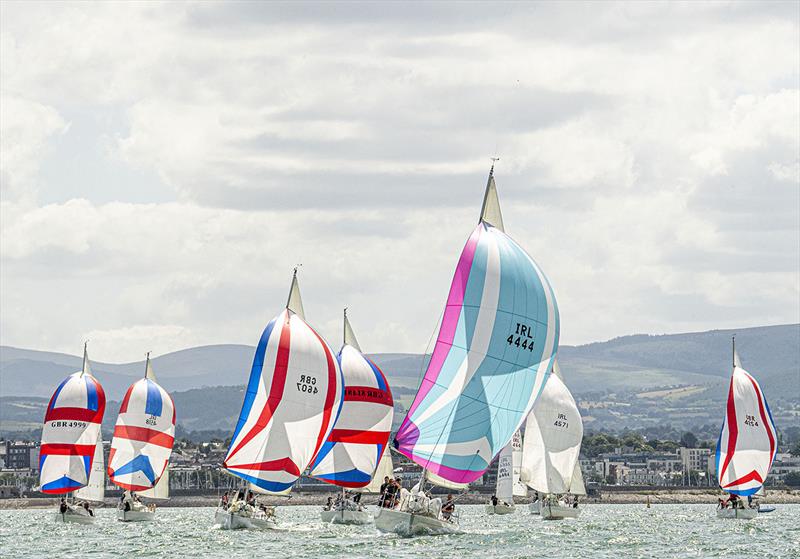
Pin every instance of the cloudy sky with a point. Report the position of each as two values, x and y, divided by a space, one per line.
164 166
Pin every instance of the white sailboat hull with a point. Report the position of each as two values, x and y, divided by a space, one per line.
500 508
346 517
412 524
143 515
242 521
74 516
558 512
746 514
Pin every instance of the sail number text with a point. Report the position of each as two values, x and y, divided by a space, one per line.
307 384
522 337
81 424
751 421
561 421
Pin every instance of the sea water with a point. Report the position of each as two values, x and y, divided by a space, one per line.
602 531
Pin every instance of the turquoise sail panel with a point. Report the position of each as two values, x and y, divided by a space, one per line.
498 337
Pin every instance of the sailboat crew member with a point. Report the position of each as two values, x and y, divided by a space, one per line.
449 507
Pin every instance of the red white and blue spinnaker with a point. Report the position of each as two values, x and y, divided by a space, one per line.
350 455
293 396
71 432
143 436
748 440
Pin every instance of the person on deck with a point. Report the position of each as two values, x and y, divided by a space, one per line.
448 508
328 503
575 502
62 508
87 509
224 500
251 499
494 500
357 498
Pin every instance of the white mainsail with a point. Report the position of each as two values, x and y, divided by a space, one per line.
520 489
160 491
553 436
95 490
505 472
385 469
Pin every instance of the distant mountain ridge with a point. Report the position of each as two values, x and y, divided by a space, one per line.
624 371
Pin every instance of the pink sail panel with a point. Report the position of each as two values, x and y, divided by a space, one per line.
748 439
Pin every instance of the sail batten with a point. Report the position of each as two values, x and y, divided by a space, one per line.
498 336
352 451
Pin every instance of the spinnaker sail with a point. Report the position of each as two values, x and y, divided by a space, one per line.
553 436
354 447
748 440
71 432
293 396
498 336
143 436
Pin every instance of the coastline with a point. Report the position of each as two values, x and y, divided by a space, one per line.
677 496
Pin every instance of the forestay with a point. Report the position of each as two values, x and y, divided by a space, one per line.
351 452
493 353
553 436
71 431
293 396
747 441
143 436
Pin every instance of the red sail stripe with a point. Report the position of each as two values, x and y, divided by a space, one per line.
281 464
71 414
276 389
124 406
360 437
130 487
733 430
764 417
144 435
67 449
754 475
330 397
367 394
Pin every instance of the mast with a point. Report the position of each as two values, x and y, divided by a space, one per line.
490 211
294 303
148 370
86 370
349 335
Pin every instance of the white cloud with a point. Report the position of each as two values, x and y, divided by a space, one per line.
649 162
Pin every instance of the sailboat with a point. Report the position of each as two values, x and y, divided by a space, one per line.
498 336
72 444
747 443
293 396
352 451
553 436
504 490
141 447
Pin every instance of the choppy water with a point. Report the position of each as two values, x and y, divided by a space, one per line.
613 531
